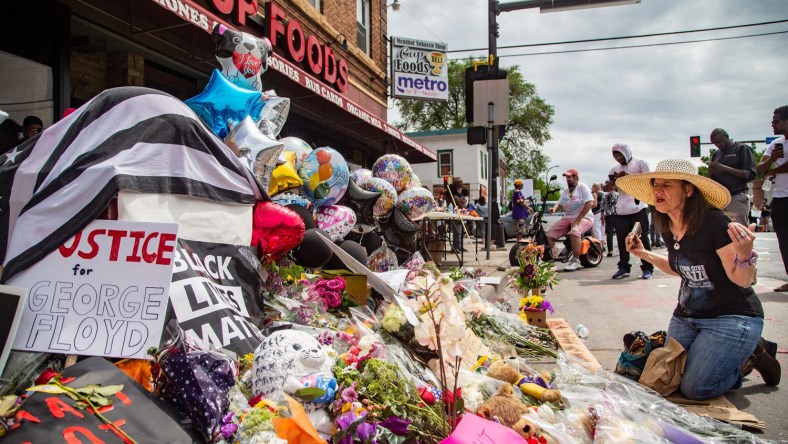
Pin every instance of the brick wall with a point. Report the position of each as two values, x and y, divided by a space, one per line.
95 71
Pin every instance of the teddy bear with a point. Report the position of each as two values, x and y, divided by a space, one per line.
290 360
501 370
503 405
531 433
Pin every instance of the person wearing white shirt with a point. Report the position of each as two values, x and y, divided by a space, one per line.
577 201
629 211
773 163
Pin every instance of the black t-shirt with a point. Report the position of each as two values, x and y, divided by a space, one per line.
738 156
706 291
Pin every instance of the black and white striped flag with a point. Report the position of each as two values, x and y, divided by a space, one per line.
129 138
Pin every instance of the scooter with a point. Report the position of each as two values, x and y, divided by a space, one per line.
591 248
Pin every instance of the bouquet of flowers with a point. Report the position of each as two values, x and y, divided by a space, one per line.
535 303
532 271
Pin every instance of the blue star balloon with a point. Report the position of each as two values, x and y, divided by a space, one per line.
222 101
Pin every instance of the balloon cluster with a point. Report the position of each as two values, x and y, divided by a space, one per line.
399 187
313 192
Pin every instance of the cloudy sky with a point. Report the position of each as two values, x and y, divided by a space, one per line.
652 98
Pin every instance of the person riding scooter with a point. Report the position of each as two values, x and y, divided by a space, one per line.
577 201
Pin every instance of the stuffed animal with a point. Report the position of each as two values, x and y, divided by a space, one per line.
531 433
289 360
503 371
243 56
504 405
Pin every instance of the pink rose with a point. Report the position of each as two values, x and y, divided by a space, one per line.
332 299
336 284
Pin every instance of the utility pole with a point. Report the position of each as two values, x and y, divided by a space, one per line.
495 8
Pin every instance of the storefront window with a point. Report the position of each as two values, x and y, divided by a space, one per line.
445 163
27 89
362 25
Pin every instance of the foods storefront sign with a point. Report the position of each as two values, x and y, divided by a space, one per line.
318 57
419 69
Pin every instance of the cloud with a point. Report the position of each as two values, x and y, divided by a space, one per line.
652 98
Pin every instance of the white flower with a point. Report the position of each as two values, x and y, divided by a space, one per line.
425 334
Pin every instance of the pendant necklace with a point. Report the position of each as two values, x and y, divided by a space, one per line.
676 245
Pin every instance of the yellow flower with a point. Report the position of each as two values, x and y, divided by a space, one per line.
346 407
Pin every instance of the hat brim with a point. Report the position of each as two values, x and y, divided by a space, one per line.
639 186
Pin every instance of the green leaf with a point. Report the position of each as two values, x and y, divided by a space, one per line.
385 435
109 390
459 405
309 393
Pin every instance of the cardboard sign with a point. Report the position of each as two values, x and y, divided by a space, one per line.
102 293
12 304
571 344
214 293
52 418
477 430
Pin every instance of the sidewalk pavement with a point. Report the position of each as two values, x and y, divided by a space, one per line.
611 308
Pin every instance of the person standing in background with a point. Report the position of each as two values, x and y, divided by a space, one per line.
598 211
459 200
766 215
481 226
629 210
773 163
609 207
520 209
31 126
733 166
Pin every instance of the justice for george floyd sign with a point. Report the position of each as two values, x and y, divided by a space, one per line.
103 292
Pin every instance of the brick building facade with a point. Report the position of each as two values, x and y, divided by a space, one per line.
86 46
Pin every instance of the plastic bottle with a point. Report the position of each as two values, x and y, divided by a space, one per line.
582 331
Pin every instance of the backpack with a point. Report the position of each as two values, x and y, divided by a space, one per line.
637 347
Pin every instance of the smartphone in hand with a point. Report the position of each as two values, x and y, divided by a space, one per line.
636 230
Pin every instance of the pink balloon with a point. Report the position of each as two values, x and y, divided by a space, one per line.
276 229
336 220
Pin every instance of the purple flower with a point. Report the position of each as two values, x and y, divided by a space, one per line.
349 395
365 430
344 421
397 425
547 305
529 271
228 427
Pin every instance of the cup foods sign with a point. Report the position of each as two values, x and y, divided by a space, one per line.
419 69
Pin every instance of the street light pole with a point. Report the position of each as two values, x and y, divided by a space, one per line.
547 178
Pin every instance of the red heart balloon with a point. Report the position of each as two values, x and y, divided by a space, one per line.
276 229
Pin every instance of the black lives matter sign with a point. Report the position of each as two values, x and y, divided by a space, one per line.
215 294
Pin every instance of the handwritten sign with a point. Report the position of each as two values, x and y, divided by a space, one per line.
214 292
491 280
102 293
474 347
571 344
477 430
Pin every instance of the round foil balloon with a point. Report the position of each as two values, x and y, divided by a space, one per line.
243 56
361 176
276 229
325 175
335 220
387 199
415 182
415 202
394 169
299 147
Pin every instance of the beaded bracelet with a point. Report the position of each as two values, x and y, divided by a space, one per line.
748 262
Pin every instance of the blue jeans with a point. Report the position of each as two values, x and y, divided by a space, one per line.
716 348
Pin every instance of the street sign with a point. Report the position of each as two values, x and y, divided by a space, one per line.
495 91
770 139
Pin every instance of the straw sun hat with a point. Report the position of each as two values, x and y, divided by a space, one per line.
639 185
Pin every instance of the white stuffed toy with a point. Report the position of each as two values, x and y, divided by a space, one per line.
289 360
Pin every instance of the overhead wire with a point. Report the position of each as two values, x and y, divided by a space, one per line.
636 36
641 46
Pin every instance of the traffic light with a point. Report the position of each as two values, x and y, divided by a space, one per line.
694 146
